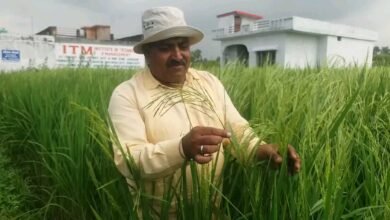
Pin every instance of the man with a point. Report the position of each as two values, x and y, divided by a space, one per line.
169 113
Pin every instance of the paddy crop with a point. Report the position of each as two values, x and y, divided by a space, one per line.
54 130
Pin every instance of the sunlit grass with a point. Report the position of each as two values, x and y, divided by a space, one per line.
54 128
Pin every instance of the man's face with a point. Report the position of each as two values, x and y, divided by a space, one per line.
169 60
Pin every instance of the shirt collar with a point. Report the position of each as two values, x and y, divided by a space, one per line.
151 83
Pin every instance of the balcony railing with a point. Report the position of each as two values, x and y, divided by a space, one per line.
257 26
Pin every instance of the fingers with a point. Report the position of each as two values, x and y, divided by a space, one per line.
205 154
203 159
276 160
213 131
208 137
209 149
294 160
270 152
267 151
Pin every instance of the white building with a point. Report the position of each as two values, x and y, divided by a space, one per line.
58 47
21 52
292 42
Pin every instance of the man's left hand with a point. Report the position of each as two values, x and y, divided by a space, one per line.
271 152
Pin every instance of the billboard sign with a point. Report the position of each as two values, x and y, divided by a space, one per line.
97 55
10 55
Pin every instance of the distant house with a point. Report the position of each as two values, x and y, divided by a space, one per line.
92 33
292 41
131 39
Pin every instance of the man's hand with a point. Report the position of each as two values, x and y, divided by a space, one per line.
271 152
201 142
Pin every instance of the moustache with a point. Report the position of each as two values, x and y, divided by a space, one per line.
174 63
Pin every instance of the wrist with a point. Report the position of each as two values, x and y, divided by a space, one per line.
261 152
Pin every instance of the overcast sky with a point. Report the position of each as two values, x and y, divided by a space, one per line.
31 16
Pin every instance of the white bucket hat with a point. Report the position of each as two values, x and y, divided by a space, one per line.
163 23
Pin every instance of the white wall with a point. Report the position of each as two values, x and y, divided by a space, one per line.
348 52
20 52
322 50
226 22
246 20
301 50
325 28
33 51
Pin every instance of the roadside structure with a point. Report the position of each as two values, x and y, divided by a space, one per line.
20 52
294 42
56 47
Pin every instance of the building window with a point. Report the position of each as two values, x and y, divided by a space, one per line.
338 38
266 57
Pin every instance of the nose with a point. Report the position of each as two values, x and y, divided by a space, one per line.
177 53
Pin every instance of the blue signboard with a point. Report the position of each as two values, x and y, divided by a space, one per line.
10 55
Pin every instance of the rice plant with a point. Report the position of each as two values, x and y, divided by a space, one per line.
55 129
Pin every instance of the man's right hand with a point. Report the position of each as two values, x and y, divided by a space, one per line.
208 137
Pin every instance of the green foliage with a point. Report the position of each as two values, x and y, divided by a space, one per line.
381 60
336 119
54 129
381 50
381 56
13 190
3 30
196 56
50 134
198 61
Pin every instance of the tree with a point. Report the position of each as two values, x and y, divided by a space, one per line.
377 50
385 50
3 30
381 56
196 56
381 50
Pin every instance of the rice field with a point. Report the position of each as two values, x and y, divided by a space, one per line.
56 160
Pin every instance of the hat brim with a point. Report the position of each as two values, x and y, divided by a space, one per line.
194 35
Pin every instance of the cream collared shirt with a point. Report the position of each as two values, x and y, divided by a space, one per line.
150 126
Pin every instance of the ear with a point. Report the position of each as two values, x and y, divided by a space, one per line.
146 51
